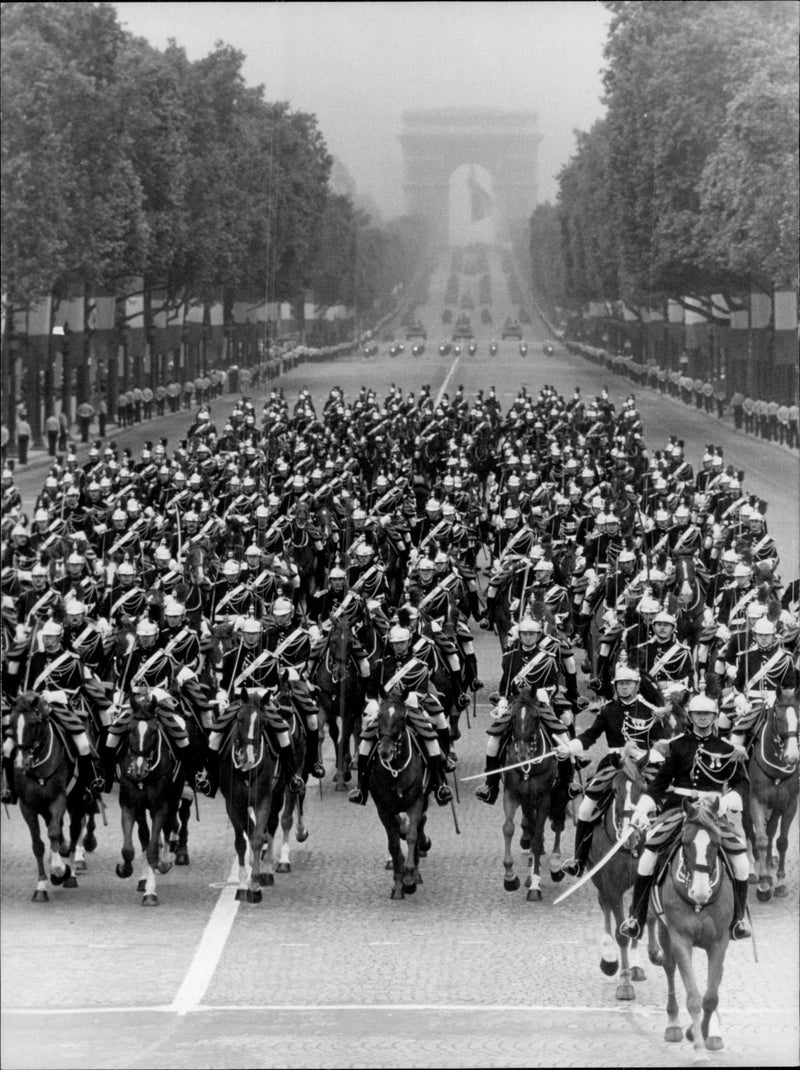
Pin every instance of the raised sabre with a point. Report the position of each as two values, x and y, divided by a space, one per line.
595 869
517 765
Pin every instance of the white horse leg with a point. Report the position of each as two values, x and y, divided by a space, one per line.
609 955
58 867
635 961
149 899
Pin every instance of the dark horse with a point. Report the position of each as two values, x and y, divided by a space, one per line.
617 876
150 783
45 780
340 697
695 910
246 769
529 787
774 788
399 785
691 582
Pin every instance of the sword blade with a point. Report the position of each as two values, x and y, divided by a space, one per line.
516 765
595 869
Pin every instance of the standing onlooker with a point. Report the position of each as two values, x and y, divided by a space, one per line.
794 417
52 427
738 412
23 439
102 415
749 409
63 431
782 416
772 421
761 418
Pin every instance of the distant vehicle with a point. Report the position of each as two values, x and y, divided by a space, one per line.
512 329
473 349
548 350
418 349
456 351
444 349
371 349
492 348
416 330
523 349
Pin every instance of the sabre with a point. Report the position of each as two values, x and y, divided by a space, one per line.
103 810
516 765
752 934
595 869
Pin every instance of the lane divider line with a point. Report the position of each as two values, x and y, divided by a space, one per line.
447 379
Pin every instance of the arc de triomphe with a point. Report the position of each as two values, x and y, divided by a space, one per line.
436 142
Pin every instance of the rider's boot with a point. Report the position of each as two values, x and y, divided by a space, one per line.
575 866
439 786
108 760
471 673
313 766
89 779
488 621
489 791
633 926
740 927
596 682
10 791
475 606
208 785
443 735
360 794
294 781
560 796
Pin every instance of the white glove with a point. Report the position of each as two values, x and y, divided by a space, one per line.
575 746
567 718
741 705
370 711
563 750
655 757
500 708
641 815
314 633
222 700
184 675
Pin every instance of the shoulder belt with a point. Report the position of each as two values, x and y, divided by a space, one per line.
766 667
746 597
535 661
665 657
281 647
412 663
236 590
63 657
149 664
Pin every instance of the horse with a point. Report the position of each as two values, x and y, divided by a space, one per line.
774 787
150 783
284 804
690 585
529 787
340 697
617 876
45 780
694 909
246 771
198 747
399 785
196 584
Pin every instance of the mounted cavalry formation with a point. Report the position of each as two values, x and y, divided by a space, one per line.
198 619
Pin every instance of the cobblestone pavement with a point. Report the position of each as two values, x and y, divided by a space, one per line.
328 971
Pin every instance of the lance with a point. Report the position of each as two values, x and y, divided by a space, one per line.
595 869
516 765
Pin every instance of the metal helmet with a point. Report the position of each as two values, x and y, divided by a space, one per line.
75 610
174 612
529 632
399 637
764 630
51 633
282 611
433 508
147 632
39 576
701 704
663 617
253 554
626 557
742 572
162 555
647 605
624 674
336 578
231 568
543 569
126 572
511 517
682 514
441 562
364 553
425 568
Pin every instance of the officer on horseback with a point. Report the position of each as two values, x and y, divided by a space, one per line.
626 719
696 764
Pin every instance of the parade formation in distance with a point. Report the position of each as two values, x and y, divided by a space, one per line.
202 617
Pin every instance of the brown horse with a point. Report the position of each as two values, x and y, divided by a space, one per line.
528 787
774 788
695 910
340 697
617 876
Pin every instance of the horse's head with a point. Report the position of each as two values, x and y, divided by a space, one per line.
195 564
340 645
629 785
391 726
250 731
31 721
527 737
145 744
700 870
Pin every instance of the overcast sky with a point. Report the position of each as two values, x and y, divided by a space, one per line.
359 66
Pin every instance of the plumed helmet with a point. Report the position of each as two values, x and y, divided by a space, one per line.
146 628
336 573
51 629
624 673
663 617
530 626
398 634
425 564
75 608
626 557
701 704
364 552
126 569
162 554
764 626
282 610
742 572
251 626
231 567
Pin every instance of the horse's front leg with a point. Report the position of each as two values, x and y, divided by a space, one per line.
257 839
711 1026
150 896
787 817
287 820
682 951
510 880
673 1033
758 814
59 870
392 825
625 990
125 868
411 876
538 819
40 895
182 846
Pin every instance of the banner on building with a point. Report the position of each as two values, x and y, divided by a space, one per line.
785 310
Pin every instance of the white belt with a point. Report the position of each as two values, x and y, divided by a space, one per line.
695 793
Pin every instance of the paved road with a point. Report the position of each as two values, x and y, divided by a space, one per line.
327 970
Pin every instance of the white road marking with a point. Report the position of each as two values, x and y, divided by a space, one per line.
448 377
209 951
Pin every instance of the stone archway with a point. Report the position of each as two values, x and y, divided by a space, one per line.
438 142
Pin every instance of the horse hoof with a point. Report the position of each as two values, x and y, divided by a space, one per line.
511 885
241 895
182 857
141 885
283 867
638 974
302 835
525 842
58 878
253 895
690 1034
714 1044
340 785
586 667
150 900
164 867
80 865
389 864
40 896
398 893
763 895
673 1034
609 968
752 879
701 1060
556 875
70 882
124 869
534 895
266 880
625 991
63 849
410 889
90 842
424 844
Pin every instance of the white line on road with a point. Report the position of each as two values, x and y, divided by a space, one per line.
209 951
447 379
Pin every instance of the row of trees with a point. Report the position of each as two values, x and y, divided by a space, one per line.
120 160
689 184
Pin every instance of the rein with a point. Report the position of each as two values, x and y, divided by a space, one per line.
770 734
396 746
34 764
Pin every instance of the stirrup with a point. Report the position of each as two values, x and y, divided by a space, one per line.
741 930
317 770
443 795
573 867
358 797
462 702
7 799
630 928
487 794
